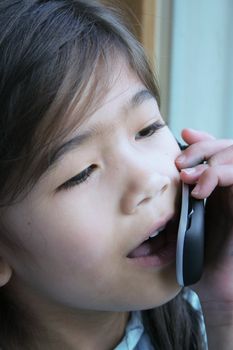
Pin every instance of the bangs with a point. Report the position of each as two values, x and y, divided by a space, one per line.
61 83
66 117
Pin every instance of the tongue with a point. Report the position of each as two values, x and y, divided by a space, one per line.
149 247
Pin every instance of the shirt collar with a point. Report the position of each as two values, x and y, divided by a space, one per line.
133 332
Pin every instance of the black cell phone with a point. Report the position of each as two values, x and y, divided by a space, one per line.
190 240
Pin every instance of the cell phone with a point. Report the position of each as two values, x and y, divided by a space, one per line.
190 240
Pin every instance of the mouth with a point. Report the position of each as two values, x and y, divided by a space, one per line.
159 247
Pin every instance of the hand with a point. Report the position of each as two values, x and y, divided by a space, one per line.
214 181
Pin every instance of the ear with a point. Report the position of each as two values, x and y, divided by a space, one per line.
5 272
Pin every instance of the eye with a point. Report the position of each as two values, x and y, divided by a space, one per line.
78 179
150 130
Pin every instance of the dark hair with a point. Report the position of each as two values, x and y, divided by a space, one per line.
51 53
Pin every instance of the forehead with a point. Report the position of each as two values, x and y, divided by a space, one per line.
116 89
125 94
108 86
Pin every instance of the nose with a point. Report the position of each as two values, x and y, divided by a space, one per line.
143 183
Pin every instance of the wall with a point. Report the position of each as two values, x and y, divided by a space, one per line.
201 80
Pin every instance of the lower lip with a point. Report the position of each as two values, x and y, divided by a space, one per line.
165 256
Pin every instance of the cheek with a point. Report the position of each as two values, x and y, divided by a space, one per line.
75 235
169 148
78 251
171 144
59 238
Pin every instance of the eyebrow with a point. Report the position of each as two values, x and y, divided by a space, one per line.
78 140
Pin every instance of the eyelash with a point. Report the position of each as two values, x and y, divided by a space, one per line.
86 173
151 129
80 178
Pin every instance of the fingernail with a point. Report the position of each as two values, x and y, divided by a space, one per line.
193 130
189 170
181 159
196 190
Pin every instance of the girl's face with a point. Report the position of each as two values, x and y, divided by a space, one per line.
82 227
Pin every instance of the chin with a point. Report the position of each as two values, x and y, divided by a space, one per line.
164 295
150 302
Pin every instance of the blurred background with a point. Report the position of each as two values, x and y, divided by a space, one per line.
190 45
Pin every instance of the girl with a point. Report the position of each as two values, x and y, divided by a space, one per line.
90 171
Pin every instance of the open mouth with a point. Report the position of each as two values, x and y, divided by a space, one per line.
161 243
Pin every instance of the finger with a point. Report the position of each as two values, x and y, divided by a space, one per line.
212 177
222 157
192 136
191 175
198 152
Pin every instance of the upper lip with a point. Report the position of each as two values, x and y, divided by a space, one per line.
156 226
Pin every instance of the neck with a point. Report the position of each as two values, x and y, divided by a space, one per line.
83 330
54 326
